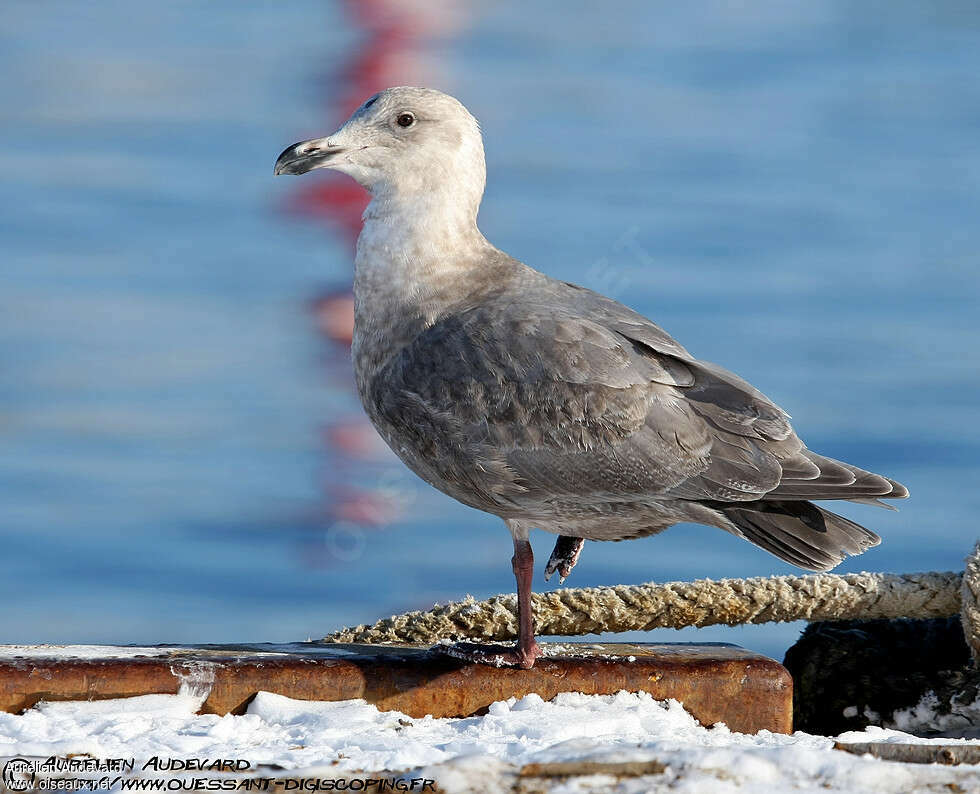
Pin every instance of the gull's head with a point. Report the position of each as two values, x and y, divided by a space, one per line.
403 141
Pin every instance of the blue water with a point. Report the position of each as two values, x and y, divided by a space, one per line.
791 189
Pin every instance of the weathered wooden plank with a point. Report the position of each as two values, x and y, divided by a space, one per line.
950 754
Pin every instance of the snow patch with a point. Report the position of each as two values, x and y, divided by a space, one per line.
63 652
926 716
477 753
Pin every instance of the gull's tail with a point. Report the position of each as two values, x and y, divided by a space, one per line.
799 532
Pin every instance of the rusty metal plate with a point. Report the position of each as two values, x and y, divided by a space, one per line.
715 682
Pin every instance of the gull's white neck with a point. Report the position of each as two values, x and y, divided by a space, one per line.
411 252
414 260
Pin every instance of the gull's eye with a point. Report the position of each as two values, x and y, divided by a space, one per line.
405 119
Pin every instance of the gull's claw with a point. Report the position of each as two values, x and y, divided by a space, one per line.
564 557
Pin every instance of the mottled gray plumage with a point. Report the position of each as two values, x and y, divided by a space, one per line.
552 406
540 401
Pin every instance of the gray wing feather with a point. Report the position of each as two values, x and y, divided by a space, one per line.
525 398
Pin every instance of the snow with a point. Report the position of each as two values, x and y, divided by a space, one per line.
56 652
53 653
478 753
926 715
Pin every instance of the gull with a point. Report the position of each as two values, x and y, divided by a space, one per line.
542 402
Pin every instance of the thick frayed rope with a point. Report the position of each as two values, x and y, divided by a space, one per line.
706 602
970 606
593 610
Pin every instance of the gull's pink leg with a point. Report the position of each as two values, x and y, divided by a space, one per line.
527 649
523 564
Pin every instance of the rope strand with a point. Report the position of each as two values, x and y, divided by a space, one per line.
705 602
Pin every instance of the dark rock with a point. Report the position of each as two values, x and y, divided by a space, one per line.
854 673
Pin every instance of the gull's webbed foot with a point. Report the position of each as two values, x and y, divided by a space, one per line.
527 649
493 655
564 557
